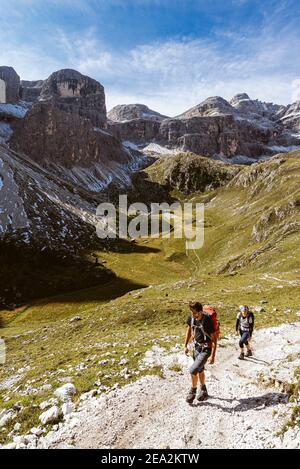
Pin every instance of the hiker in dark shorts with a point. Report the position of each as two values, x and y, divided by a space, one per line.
244 326
201 329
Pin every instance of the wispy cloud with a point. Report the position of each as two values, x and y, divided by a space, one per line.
174 74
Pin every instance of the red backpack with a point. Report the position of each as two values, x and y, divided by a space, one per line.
212 312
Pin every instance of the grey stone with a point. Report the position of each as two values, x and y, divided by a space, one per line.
52 415
65 392
12 84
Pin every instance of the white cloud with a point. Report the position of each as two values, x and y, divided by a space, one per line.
174 75
29 63
170 76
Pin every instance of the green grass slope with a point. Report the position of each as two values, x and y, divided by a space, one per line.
189 173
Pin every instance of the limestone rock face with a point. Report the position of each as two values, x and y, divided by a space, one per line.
30 90
77 94
208 136
48 134
128 112
136 130
12 84
134 122
203 135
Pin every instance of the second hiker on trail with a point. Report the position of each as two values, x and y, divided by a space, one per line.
203 332
245 325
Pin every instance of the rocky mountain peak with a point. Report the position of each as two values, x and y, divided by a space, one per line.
213 106
239 98
128 112
68 83
253 108
76 93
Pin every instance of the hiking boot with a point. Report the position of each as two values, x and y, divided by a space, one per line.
249 353
241 356
202 394
191 395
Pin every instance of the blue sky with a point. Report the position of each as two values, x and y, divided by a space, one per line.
168 54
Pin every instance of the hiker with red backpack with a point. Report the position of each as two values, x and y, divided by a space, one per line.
203 328
245 326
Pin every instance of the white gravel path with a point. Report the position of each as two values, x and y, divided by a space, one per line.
152 413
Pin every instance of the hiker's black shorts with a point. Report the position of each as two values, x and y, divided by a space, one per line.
200 358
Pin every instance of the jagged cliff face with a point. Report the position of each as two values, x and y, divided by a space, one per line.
204 135
61 123
58 151
139 131
76 93
210 136
30 91
135 123
49 134
73 148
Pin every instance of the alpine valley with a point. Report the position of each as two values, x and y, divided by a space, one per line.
61 287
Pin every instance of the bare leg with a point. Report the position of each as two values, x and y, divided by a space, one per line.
202 378
194 380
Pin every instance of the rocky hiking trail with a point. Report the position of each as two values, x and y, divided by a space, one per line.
247 408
